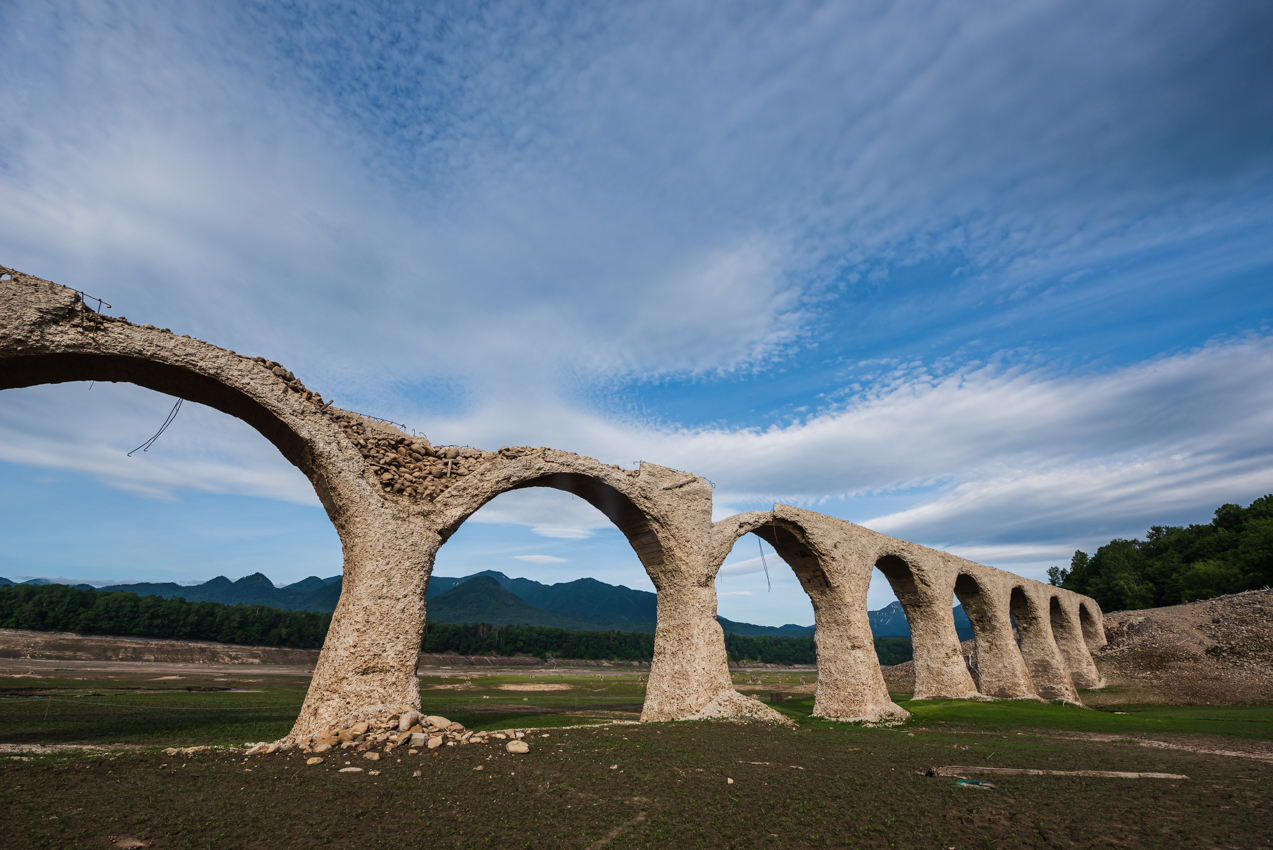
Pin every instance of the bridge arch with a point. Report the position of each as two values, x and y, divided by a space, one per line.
1048 673
850 684
1065 620
664 514
1001 671
940 672
48 335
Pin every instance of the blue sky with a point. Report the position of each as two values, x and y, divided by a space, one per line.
996 279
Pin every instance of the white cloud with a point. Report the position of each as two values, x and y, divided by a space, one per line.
540 559
74 428
548 513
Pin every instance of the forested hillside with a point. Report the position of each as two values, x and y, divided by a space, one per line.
1177 564
56 607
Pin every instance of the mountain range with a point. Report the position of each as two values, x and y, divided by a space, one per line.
492 597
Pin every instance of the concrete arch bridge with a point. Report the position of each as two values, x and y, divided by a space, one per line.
395 500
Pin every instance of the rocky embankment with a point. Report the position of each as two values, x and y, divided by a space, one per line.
1213 652
371 736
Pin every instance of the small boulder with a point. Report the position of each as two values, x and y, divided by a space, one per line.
439 722
322 748
371 756
407 720
435 742
314 760
517 747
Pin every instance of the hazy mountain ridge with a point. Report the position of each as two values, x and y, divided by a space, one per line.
585 604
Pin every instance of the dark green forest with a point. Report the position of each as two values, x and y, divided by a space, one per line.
56 607
1177 564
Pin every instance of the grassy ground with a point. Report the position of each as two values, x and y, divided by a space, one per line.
656 785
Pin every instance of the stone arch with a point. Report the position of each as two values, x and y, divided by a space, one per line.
1000 668
1069 641
850 685
665 514
48 335
940 672
1092 626
617 506
1048 673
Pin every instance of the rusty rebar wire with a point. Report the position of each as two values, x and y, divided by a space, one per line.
145 447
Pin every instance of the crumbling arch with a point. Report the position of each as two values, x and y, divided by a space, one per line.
939 669
618 507
663 513
1069 641
850 684
1048 674
166 378
1001 671
1092 626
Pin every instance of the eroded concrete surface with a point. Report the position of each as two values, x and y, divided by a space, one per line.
395 499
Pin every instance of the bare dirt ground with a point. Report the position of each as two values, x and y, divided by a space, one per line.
1213 652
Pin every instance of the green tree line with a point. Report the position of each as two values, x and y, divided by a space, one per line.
56 607
1177 564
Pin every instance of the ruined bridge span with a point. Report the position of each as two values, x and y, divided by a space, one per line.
395 500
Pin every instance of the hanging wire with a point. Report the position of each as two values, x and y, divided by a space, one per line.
145 447
764 563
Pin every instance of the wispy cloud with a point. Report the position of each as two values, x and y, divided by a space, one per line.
982 272
540 559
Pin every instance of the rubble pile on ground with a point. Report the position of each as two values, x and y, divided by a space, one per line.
1215 651
409 732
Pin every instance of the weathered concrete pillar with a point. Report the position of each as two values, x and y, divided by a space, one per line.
940 672
1000 667
369 657
1069 640
834 572
690 666
1048 673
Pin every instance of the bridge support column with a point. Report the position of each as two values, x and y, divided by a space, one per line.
851 686
940 671
1043 660
1069 640
372 647
1000 667
690 667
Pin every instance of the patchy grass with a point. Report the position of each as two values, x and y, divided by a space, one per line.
824 784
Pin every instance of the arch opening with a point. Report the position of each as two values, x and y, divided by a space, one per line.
212 499
540 541
1073 648
1035 640
178 382
1092 634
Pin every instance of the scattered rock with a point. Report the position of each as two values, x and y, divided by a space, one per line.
435 742
314 760
350 770
371 756
517 747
